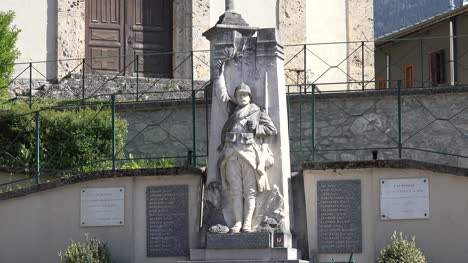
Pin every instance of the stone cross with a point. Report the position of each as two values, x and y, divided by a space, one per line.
229 5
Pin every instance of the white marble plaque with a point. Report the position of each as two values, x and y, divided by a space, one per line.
404 198
102 206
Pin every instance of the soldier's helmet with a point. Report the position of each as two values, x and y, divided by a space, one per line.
243 88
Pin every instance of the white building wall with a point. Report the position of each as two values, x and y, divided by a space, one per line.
37 20
326 23
257 13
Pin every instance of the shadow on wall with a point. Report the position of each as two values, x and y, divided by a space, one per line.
51 39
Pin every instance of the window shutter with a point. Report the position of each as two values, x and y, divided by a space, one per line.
441 68
433 59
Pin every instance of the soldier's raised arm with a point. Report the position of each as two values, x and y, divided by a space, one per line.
219 85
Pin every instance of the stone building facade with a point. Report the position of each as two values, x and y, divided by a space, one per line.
62 30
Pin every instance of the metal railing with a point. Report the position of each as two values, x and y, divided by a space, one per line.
183 103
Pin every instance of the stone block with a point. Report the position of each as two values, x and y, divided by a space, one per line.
240 240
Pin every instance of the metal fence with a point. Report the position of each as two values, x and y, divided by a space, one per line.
364 122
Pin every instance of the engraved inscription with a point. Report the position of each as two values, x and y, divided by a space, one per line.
167 221
339 216
404 198
102 206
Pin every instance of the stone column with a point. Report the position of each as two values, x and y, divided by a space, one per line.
229 5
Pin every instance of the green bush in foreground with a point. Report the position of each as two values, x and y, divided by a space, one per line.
70 139
8 52
90 251
401 250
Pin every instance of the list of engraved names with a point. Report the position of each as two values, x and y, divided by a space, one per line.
167 221
339 216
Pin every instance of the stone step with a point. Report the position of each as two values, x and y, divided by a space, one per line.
247 261
259 254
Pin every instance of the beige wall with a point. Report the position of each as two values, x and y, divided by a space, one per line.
442 238
37 20
36 227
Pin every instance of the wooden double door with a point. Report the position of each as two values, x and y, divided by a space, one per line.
116 30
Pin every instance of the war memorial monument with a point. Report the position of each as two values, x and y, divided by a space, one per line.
247 215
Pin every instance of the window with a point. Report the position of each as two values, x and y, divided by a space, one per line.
437 60
409 75
382 83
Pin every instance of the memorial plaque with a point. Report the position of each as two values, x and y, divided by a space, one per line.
102 206
339 216
404 198
167 221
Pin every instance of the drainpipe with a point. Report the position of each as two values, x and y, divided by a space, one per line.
452 52
388 72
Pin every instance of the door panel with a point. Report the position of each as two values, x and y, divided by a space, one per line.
151 32
118 27
104 34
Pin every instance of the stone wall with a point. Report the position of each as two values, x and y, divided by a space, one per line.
447 209
348 127
70 34
56 214
156 132
292 26
100 87
360 23
351 128
200 24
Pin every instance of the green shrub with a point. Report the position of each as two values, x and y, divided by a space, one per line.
90 251
8 51
401 250
70 139
143 163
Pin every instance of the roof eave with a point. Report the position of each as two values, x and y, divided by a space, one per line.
420 25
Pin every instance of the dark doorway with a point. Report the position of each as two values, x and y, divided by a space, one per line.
118 29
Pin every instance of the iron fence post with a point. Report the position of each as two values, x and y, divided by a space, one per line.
83 82
137 77
305 69
313 123
38 147
399 120
362 66
30 85
113 131
193 114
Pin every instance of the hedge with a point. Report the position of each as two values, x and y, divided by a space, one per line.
76 138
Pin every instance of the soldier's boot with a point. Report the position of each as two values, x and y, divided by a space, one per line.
237 214
249 208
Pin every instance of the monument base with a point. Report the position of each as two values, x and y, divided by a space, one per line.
247 261
244 255
240 240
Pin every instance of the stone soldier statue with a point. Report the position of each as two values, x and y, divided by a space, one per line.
245 154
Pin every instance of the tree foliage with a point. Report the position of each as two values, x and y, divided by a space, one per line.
8 51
